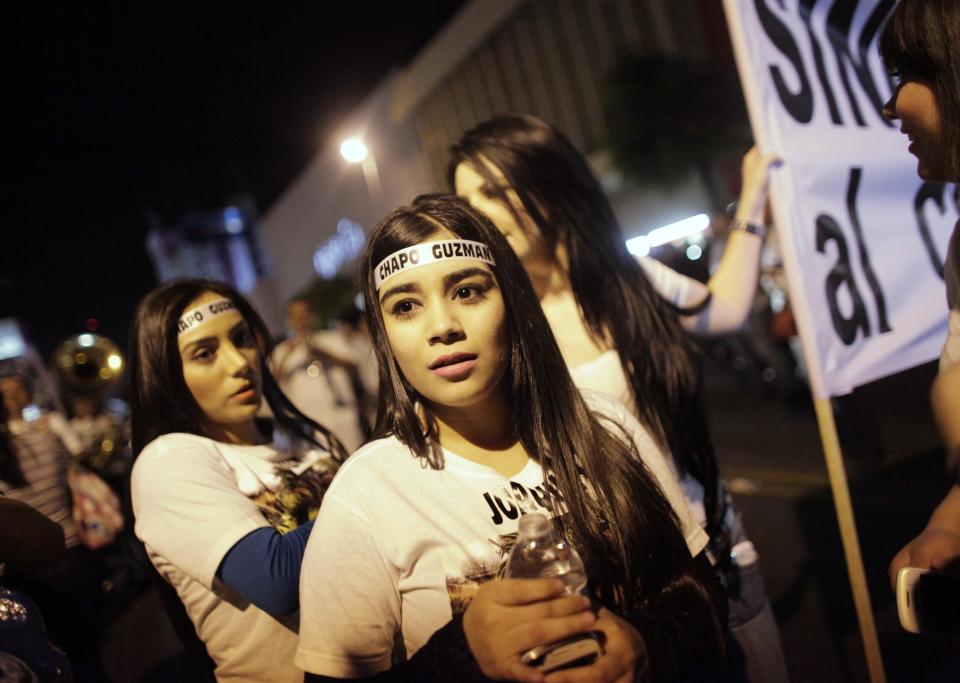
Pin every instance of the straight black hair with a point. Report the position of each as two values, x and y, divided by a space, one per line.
618 516
161 403
565 200
920 40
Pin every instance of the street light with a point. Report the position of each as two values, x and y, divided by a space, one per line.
354 151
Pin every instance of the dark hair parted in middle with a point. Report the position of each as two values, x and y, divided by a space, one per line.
565 200
618 516
161 403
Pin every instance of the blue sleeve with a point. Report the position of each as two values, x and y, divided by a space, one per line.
264 567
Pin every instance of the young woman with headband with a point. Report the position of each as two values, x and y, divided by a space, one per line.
223 501
480 422
620 323
919 46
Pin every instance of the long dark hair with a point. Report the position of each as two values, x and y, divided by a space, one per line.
626 527
920 40
161 403
566 202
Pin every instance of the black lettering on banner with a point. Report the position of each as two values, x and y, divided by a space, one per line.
403 260
448 250
839 36
930 192
841 275
469 250
497 518
384 271
798 104
806 11
839 22
437 250
872 280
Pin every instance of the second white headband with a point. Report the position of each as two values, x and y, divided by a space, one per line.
429 252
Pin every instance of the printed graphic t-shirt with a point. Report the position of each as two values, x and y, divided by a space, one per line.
399 548
193 499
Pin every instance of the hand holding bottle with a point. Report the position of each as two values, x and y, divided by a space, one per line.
508 617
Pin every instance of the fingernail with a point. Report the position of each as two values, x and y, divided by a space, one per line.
585 602
587 618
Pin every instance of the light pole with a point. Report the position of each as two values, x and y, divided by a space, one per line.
354 151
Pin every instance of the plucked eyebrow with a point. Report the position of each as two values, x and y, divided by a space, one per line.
448 282
400 289
206 340
455 277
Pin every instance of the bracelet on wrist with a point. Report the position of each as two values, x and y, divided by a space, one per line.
743 225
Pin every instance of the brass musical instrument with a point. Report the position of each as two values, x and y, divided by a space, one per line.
88 364
88 367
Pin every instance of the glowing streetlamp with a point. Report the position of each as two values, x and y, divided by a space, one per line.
354 151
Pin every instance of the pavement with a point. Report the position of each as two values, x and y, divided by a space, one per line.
771 455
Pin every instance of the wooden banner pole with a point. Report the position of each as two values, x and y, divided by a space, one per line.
848 535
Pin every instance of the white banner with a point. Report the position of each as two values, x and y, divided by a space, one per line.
863 238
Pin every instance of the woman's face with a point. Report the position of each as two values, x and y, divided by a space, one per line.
221 368
524 236
915 103
446 326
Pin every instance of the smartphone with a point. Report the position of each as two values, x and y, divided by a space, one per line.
928 601
579 650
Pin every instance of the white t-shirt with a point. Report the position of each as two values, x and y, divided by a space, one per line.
605 374
322 391
398 548
193 499
951 275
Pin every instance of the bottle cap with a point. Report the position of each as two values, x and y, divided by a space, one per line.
534 525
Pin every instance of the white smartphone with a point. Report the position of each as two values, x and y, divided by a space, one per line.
928 601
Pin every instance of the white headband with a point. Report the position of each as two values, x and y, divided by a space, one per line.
203 313
429 252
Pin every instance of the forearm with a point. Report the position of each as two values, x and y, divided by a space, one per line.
733 285
445 657
264 567
945 402
946 517
734 282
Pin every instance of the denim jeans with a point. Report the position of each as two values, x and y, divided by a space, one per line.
756 653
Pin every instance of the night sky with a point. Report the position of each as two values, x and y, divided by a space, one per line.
114 112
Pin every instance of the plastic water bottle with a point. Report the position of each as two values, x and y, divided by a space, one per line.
540 553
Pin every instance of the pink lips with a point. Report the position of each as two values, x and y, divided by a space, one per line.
454 365
248 393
